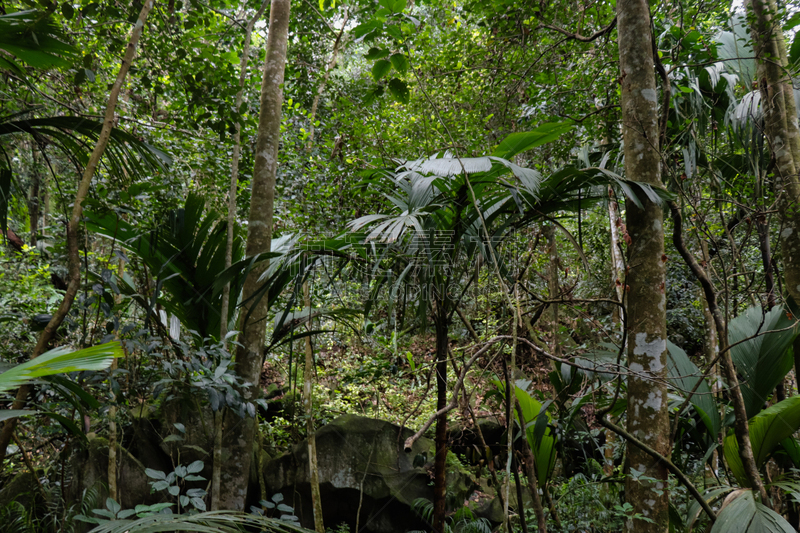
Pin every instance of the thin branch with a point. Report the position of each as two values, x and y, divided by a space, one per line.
577 36
663 460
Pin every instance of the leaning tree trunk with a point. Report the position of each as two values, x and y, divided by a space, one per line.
239 434
647 413
216 471
73 257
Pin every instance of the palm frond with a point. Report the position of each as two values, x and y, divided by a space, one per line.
60 360
205 522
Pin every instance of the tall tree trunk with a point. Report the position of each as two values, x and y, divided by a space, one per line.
780 121
216 470
308 385
238 438
647 413
440 461
553 283
73 257
783 136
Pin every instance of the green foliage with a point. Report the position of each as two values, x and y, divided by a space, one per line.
685 376
462 521
206 522
114 511
275 507
60 360
760 348
741 513
174 484
767 429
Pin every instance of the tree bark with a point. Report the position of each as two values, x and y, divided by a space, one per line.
308 385
553 287
647 413
780 125
33 202
216 470
73 257
440 461
238 438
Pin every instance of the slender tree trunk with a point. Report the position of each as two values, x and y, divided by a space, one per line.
73 257
33 203
440 461
647 413
308 386
238 438
741 424
617 313
321 88
710 345
216 470
112 414
553 287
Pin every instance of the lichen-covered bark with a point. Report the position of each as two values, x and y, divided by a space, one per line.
647 412
239 433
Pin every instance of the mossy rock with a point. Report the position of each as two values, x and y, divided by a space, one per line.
361 462
21 488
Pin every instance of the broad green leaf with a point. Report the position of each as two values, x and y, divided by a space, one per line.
5 414
684 375
399 62
519 142
760 351
543 447
743 514
767 430
60 360
380 69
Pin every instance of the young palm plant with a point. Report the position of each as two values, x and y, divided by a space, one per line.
449 211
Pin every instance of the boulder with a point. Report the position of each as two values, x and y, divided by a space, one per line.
90 471
362 465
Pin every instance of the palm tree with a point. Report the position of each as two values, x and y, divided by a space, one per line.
450 210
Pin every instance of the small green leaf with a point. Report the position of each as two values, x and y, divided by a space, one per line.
160 485
155 474
174 490
113 506
399 62
376 53
195 467
399 91
380 69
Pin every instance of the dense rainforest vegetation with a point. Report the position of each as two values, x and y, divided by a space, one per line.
399 265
